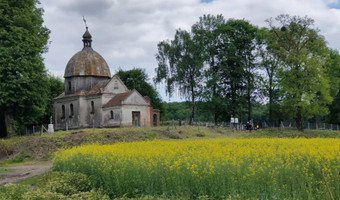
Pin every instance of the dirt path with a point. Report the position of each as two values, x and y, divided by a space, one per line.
23 172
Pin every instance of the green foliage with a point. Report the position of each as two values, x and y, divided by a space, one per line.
23 91
180 63
138 79
303 53
12 192
54 186
68 183
55 87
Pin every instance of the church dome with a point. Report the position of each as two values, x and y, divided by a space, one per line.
87 62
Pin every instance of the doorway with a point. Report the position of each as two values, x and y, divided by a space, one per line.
155 120
135 118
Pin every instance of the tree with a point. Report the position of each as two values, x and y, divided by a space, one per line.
269 85
179 65
23 39
303 54
207 31
138 79
237 64
333 72
55 86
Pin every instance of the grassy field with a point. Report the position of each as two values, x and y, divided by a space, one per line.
178 163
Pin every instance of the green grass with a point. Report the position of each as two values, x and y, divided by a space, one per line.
5 170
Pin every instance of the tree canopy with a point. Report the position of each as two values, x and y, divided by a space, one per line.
23 40
138 79
231 66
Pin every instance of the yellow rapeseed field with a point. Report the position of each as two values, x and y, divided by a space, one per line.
217 168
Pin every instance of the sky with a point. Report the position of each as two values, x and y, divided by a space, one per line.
126 32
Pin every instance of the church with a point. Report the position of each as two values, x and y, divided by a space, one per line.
92 98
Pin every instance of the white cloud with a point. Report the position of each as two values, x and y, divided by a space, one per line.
126 32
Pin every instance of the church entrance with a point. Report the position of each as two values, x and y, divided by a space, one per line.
135 118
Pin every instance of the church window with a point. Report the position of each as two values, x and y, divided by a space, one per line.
69 86
92 107
111 114
71 110
62 112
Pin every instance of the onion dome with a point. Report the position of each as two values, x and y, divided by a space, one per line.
87 62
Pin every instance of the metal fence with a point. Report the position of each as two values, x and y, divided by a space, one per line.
261 124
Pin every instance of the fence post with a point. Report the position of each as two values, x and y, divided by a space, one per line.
33 129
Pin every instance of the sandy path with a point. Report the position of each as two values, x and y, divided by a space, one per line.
23 172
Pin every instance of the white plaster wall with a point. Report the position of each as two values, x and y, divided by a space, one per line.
135 98
115 86
127 114
116 121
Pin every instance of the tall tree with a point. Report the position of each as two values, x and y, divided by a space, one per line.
303 52
207 31
179 65
269 85
138 79
333 72
23 39
236 43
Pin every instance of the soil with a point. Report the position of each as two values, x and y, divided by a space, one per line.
20 173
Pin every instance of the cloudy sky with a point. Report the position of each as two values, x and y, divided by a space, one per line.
126 32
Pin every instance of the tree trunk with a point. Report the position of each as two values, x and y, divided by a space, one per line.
9 125
299 121
3 131
191 122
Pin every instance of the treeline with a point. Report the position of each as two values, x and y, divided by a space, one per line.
231 67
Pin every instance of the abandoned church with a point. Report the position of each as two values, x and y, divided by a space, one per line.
92 98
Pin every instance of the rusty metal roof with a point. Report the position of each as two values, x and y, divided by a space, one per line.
87 62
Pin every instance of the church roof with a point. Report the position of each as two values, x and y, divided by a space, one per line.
98 88
115 101
87 62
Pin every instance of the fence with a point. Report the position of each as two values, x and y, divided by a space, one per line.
32 130
262 124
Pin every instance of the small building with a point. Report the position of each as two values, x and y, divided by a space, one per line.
92 98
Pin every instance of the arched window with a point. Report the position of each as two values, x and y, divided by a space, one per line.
111 114
92 107
62 112
71 110
69 86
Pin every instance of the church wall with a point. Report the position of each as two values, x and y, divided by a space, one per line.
115 86
75 84
93 118
112 120
68 119
127 114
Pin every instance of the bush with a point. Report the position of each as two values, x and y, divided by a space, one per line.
67 183
12 191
